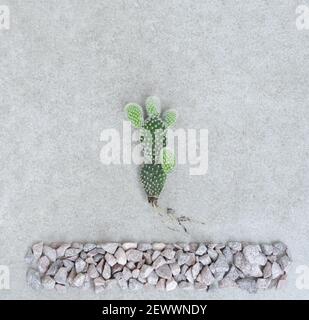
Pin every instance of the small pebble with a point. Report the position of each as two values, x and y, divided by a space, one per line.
120 256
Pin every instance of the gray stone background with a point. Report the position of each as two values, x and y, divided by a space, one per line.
236 68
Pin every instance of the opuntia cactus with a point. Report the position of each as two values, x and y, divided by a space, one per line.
158 160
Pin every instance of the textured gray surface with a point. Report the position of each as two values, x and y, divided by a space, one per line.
237 68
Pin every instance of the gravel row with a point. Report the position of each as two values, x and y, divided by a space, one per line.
133 266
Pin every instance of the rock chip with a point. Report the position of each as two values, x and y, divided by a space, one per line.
127 274
89 260
80 265
71 252
135 273
122 283
164 272
196 270
284 262
213 254
140 263
144 246
116 268
206 276
168 253
228 254
276 271
189 275
120 256
153 278
92 271
50 253
282 281
92 253
205 259
71 277
129 245
201 250
97 258
48 282
182 257
60 251
60 288
61 276
77 245
34 279
161 284
170 285
254 255
110 259
234 245
247 284
263 284
233 274
159 246
267 270
110 247
99 285
272 258
242 264
134 255
255 271
37 250
89 246
130 265
183 269
107 271
220 267
175 268
135 284
279 248
185 285
43 264
191 259
155 255
112 283
147 256
267 249
193 246
160 261
54 267
79 280
227 283
83 255
145 271
29 257
200 286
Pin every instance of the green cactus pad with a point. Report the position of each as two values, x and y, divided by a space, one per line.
135 114
170 117
153 106
168 161
153 179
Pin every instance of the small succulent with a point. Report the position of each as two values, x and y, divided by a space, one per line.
158 160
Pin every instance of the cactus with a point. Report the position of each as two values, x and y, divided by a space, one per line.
158 160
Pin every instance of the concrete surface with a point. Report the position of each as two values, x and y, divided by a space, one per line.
237 68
